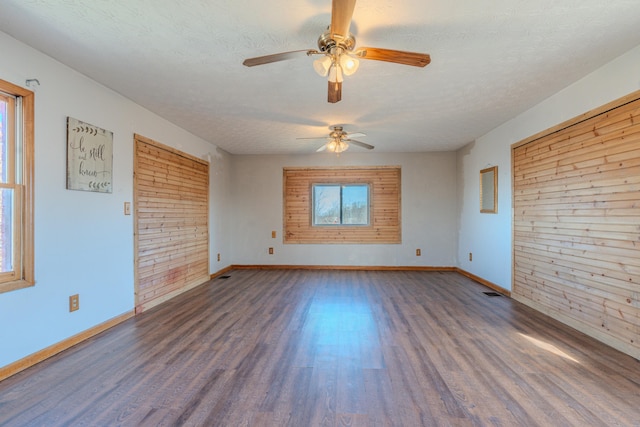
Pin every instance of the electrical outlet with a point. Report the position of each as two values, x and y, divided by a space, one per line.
74 302
418 252
218 257
270 251
470 256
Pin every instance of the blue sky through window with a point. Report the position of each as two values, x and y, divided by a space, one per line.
340 204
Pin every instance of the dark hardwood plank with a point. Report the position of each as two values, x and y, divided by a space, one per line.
331 348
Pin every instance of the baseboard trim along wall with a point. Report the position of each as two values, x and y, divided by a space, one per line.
52 350
486 283
341 267
221 272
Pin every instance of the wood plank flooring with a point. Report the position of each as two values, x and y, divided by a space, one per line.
332 348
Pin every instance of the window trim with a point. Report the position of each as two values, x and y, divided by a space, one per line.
24 193
385 214
340 184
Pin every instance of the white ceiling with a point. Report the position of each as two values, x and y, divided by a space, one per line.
182 59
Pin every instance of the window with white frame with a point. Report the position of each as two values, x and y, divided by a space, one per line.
16 192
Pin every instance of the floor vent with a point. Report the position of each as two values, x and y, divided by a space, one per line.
224 277
492 294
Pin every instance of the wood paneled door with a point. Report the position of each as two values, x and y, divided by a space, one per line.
171 202
577 226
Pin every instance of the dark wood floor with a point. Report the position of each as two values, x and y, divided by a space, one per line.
311 348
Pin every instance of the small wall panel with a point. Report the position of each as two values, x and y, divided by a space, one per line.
576 224
171 202
385 205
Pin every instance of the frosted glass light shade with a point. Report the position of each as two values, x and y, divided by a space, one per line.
337 146
348 64
322 65
335 73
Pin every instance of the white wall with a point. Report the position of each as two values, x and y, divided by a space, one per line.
220 209
488 236
83 242
428 212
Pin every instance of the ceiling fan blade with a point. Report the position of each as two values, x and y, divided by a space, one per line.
335 92
317 137
324 147
341 14
267 59
355 134
359 144
397 56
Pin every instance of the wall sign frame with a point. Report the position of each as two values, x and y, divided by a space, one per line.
89 157
489 190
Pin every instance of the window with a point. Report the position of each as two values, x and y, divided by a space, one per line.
16 178
335 204
353 204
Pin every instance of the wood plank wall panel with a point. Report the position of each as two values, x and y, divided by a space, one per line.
171 202
576 196
385 188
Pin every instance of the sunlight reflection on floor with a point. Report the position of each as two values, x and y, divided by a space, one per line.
548 347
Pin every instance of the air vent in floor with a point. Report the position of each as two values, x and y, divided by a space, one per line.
492 294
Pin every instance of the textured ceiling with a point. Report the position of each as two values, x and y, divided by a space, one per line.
182 59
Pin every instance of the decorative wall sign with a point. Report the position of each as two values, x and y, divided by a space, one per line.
89 157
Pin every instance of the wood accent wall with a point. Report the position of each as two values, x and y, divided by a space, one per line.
576 228
385 205
171 202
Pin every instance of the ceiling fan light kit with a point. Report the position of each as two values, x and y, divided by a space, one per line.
337 45
339 140
322 65
337 146
349 65
335 74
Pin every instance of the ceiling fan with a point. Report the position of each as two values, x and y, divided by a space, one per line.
339 139
339 57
